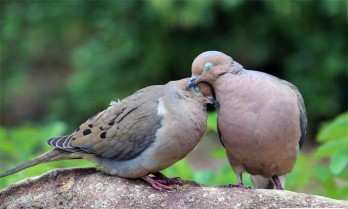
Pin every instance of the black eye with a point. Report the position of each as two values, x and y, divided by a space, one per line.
208 65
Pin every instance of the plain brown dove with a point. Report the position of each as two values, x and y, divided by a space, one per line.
139 135
261 121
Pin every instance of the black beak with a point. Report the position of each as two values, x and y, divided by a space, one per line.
191 82
213 101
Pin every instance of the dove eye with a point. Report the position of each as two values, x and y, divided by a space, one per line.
196 90
208 66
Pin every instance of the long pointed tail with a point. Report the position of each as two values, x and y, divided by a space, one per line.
52 155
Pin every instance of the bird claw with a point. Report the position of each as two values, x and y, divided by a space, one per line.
157 184
175 180
159 177
169 181
277 182
239 186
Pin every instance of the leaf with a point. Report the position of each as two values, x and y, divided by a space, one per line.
332 147
338 128
322 174
339 162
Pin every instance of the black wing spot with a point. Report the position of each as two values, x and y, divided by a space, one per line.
103 135
87 131
90 125
111 123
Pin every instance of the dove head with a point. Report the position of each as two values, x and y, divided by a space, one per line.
201 92
208 66
208 93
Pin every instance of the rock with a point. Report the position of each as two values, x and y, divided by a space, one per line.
88 188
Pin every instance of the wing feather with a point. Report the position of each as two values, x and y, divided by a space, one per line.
119 132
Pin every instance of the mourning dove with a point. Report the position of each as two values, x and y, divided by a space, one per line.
261 121
139 135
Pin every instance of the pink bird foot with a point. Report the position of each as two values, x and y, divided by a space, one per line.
277 182
156 184
239 185
159 177
240 182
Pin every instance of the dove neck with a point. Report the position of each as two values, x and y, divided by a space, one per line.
229 84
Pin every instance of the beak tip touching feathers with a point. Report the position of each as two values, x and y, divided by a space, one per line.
258 113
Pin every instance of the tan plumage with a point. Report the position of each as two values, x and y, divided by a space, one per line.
139 135
262 119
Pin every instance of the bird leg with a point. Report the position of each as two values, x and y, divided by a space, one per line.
159 177
277 182
240 182
155 184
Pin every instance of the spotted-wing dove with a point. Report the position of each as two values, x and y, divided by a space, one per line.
261 121
139 135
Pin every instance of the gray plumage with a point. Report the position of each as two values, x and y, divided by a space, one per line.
140 135
261 121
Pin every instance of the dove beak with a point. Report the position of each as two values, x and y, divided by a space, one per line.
193 81
213 101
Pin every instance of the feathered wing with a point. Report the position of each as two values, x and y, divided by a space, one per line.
122 132
303 113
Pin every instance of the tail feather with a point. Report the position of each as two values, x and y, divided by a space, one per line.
63 142
53 155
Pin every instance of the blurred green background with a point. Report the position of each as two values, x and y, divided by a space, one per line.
63 61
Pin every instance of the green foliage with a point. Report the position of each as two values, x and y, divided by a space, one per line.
23 143
212 121
86 53
325 170
334 137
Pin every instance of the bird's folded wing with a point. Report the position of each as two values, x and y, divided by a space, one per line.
121 132
302 113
